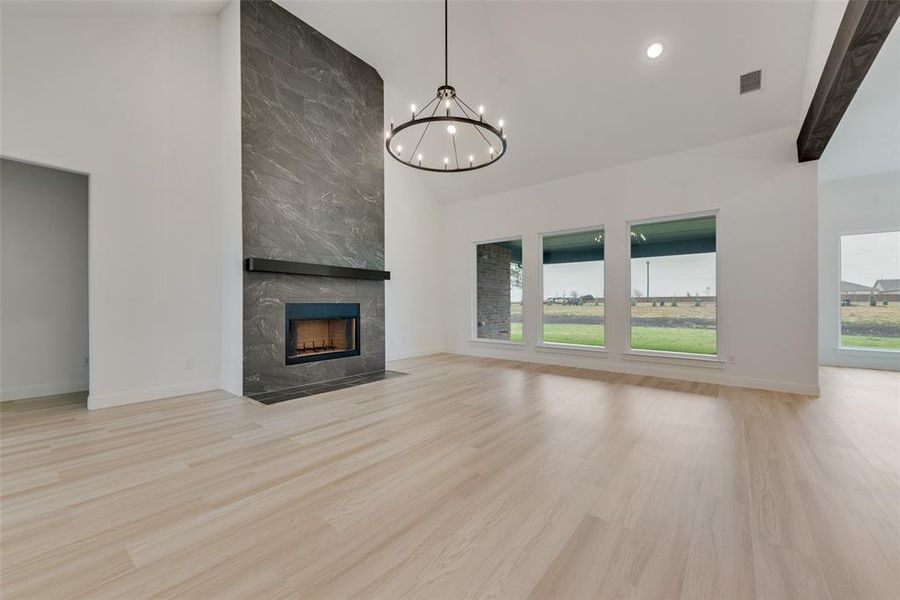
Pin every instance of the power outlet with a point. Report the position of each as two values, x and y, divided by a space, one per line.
730 359
86 363
189 364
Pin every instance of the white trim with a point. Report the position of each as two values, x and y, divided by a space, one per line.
674 358
415 354
867 352
858 351
38 390
711 376
555 347
152 393
540 281
505 343
692 215
473 316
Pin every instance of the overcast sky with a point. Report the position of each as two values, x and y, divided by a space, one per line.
869 257
865 259
669 276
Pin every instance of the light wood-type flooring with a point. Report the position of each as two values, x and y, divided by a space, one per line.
468 478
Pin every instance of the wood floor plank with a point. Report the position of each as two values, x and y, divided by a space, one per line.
466 478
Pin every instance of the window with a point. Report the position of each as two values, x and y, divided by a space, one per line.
673 281
572 276
870 290
498 296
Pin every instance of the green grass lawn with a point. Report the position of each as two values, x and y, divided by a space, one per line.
674 339
866 341
562 333
667 339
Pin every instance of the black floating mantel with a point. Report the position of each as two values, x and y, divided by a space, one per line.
268 265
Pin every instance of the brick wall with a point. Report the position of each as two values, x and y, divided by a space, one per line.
493 299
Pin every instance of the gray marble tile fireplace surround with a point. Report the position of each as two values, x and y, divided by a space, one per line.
313 190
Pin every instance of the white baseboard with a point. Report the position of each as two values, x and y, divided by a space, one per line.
415 354
36 390
108 400
700 375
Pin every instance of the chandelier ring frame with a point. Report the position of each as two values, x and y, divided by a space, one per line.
452 119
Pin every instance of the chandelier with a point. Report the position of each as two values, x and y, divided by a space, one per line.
461 140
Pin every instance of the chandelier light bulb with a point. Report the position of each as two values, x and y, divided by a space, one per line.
500 123
387 135
399 150
412 107
451 129
481 110
471 159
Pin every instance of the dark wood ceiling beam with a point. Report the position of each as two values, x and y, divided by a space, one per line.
863 29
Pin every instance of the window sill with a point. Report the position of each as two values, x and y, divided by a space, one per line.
505 343
674 358
850 351
599 351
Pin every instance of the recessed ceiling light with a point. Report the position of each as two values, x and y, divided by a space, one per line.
655 50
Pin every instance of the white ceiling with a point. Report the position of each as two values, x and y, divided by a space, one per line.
571 79
867 140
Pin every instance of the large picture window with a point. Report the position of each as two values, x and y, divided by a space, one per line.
673 281
498 296
572 275
870 290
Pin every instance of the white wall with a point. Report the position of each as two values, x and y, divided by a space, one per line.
853 205
413 250
231 200
131 97
826 19
766 250
44 281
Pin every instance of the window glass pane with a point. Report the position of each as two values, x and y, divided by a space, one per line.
573 288
499 290
870 290
673 286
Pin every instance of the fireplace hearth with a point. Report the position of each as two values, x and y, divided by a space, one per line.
320 331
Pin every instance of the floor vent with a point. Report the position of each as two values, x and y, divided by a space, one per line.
752 81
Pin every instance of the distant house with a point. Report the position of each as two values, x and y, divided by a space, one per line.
854 292
885 286
848 287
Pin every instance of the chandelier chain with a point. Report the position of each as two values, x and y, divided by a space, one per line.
446 46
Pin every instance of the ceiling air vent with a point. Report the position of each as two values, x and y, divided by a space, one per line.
752 81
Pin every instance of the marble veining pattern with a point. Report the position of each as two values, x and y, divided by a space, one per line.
313 188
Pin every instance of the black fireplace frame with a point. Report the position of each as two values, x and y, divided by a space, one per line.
302 311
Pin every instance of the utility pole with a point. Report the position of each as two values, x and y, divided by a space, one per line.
648 281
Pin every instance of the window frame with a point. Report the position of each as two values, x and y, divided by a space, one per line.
473 315
559 346
840 348
666 355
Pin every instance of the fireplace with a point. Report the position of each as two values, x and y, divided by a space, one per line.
315 331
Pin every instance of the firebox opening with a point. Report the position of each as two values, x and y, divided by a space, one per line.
318 331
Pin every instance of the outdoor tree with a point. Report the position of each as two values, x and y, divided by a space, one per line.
515 274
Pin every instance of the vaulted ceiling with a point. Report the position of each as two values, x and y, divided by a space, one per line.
867 140
571 79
